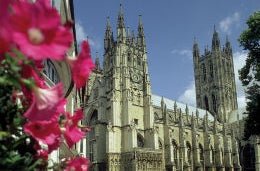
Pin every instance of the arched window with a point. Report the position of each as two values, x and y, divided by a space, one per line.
175 153
140 140
92 135
201 153
50 71
206 101
188 152
214 103
129 57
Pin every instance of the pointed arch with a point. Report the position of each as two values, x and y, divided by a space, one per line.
175 152
189 152
92 134
206 102
140 140
201 154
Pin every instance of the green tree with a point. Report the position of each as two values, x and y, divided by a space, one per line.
250 74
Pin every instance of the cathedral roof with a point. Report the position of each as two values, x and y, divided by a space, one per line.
170 105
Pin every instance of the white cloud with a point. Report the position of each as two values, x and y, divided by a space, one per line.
81 35
189 95
239 59
226 24
241 101
183 52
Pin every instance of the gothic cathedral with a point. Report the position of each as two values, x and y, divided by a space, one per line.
135 130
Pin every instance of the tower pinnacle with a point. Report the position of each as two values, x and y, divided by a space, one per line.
121 32
140 36
215 41
196 52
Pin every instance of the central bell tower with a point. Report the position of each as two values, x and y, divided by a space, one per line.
215 79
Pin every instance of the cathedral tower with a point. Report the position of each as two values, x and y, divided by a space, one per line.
121 100
215 78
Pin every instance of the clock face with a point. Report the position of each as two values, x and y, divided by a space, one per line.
135 77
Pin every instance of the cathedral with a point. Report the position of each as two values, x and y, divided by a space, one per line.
133 129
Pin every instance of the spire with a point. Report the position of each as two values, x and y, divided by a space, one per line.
162 102
140 26
205 122
187 113
180 119
197 116
108 35
120 21
133 37
228 48
186 109
193 122
97 63
215 41
108 28
128 35
121 33
140 36
196 51
175 110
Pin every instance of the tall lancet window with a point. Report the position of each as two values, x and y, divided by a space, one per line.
140 140
206 101
92 135
214 103
50 71
188 152
201 154
175 153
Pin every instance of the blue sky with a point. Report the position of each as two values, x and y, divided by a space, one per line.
170 27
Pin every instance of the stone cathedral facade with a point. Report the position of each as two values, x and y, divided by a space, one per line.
135 130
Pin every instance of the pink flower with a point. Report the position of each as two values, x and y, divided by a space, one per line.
38 31
48 132
82 66
46 103
28 72
78 164
5 29
72 133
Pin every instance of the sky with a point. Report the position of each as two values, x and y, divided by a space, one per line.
170 27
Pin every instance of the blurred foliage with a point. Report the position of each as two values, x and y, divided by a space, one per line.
250 74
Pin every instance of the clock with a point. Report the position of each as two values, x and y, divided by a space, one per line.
135 77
